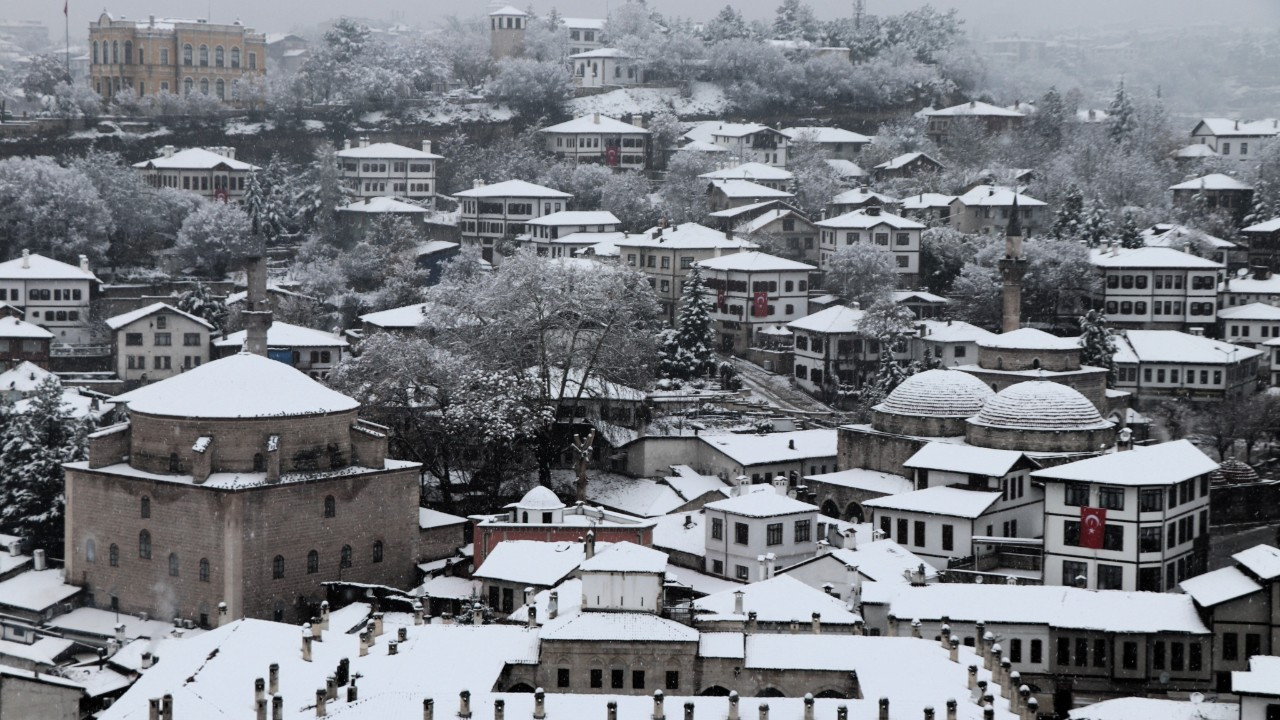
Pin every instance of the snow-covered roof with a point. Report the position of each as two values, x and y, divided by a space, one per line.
722 645
763 220
692 484
1219 586
1167 463
1057 606
681 532
762 504
539 497
748 189
409 316
753 261
637 496
846 168
997 196
1267 226
375 205
1028 339
283 334
119 321
858 196
512 189
1252 311
1212 181
938 393
509 10
601 53
627 557
734 212
735 130
750 171
568 601
35 590
880 560
617 627
74 402
44 651
953 331
102 622
39 267
596 123
938 500
12 327
1144 708
429 518
1262 677
194 159
702 146
865 219
975 107
1261 560
924 201
1196 150
532 562
904 296
904 160
754 449
1173 346
780 599
1150 257
685 236
584 23
835 320
968 459
387 150
1178 236
1223 127
1040 405
817 134
239 386
862 479
596 388
24 377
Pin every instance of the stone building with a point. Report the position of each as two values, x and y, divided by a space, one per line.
165 55
507 26
1031 354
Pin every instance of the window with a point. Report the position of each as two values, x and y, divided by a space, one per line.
773 534
277 567
219 57
741 533
1110 577
1037 651
597 678
163 339
717 528
204 56
1071 532
1099 653
330 506
1064 651
346 556
133 339
802 531
235 57
1081 655
313 562
717 567
164 56
191 339
1076 494
1252 644
1075 573
1150 499
1157 656
920 533
1149 539
1015 650
673 679
113 555
173 564
144 545
948 537
146 507
1113 537
741 572
204 569
186 56
1111 498
902 531
1129 656
90 551
377 551
1177 656
637 679
204 90
1195 659
562 677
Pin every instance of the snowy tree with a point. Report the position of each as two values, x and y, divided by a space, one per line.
688 352
321 190
626 195
546 39
943 254
33 446
1122 123
1068 221
862 273
1097 345
1096 230
584 181
52 210
684 194
44 73
795 21
217 238
816 182
728 24
975 296
1059 275
925 32
504 412
200 302
665 130
467 50
1129 235
76 100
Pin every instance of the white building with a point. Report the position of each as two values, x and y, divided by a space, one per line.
758 173
501 211
951 342
624 577
727 194
565 233
604 67
1168 363
1234 139
51 294
1260 286
842 571
585 34
665 254
857 199
827 348
751 142
1249 325
1258 688
894 234
1152 503
599 139
158 341
209 172
929 208
388 169
755 290
985 210
836 143
1181 237
1157 288
742 531
314 352
994 119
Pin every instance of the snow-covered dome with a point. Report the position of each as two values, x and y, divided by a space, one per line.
1233 472
240 386
1040 405
938 393
540 498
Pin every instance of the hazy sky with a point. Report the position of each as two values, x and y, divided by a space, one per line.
988 17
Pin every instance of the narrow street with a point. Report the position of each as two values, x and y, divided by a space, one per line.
776 389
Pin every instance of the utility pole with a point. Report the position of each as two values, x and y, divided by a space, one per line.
859 12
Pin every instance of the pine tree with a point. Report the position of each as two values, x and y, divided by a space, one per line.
1123 120
1097 345
1129 235
197 301
689 351
1069 219
1097 226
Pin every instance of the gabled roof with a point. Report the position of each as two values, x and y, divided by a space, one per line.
594 123
584 23
383 205
686 236
825 135
1226 127
119 321
24 377
1195 150
617 627
864 220
846 168
953 331
857 196
388 150
750 171
939 500
601 53
1261 560
12 327
904 160
997 196
975 107
753 449
39 267
924 201
748 189
627 557
508 10
1172 346
882 561
861 479
1219 586
1212 181
1252 311
967 459
576 217
512 189
533 562
408 316
194 159
780 599
1266 226
753 261
1149 257
282 334
761 505
1028 339
835 320
1167 463
1178 237
740 129
924 296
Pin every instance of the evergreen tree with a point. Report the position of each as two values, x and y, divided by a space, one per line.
1069 220
1097 226
795 21
197 301
1123 119
1130 236
33 446
1097 345
689 351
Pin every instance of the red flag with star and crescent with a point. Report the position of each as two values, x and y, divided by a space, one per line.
760 305
1093 523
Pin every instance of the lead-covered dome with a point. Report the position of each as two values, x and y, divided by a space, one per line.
540 497
1040 405
934 403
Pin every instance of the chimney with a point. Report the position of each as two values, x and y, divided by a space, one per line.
733 705
764 711
808 706
26 259
273 679
377 625
153 709
928 712
364 643
120 633
402 634
737 602
553 605
539 704
884 708
364 142
426 146
260 706
167 151
915 630
393 647
951 709
417 613
751 621
658 713
955 650
973 678
842 712
257 313
611 710
428 709
595 119
988 713
277 708
873 210
166 707
499 709
1237 124
1033 708
816 623
1124 440
533 617
346 144
306 642
589 547
464 704
688 712
84 263
259 689
321 699
317 630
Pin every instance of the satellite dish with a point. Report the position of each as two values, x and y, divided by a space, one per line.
1164 678
1196 698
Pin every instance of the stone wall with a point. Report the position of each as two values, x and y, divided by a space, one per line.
1081 441
918 425
1030 359
862 447
1090 383
1251 502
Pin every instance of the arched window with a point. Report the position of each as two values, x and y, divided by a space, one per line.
220 89
128 52
164 56
204 569
204 56
142 56
278 613
235 57
219 57
524 516
259 463
1035 364
113 555
346 556
144 545
186 86
90 551
146 507
186 54
313 562
277 567
377 551
173 564
95 52
204 86
115 51
175 466
330 506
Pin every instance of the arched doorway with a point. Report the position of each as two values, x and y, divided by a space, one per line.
831 695
520 688
770 692
853 513
830 509
715 691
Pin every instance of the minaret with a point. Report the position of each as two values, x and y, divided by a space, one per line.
1012 268
257 308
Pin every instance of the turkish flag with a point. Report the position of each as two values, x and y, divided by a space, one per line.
611 155
1093 523
720 297
760 305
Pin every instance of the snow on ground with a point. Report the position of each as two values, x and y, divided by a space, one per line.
705 99
451 114
236 127
313 125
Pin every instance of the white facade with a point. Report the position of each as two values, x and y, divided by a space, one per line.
1250 325
894 234
737 538
1167 362
157 342
596 138
751 142
208 172
388 169
1157 287
753 291
490 213
604 67
52 294
667 254
1235 139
